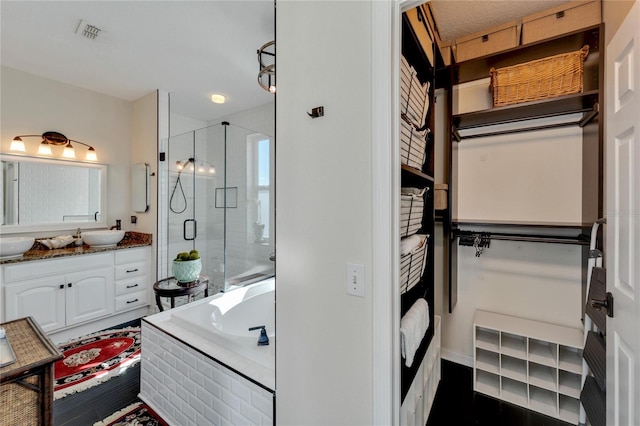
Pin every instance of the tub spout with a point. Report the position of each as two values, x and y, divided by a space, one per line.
263 340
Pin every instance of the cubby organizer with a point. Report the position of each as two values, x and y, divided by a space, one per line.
529 363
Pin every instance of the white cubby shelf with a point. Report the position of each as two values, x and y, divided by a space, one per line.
533 364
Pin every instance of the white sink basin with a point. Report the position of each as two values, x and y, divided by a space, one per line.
14 246
106 238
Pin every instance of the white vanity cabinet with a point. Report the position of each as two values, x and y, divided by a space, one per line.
62 292
78 294
132 279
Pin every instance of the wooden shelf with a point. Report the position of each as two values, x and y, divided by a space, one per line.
576 103
409 172
478 68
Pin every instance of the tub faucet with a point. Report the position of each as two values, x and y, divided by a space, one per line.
263 340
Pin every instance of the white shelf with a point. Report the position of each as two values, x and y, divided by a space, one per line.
542 352
487 383
543 376
488 361
514 345
569 384
569 409
570 359
536 365
514 368
543 401
514 391
488 339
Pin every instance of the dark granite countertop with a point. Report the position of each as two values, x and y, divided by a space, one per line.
41 252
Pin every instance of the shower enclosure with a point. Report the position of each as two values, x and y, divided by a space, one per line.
216 196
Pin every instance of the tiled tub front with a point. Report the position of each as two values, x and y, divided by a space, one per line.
188 388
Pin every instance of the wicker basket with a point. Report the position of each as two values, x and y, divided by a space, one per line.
412 266
540 79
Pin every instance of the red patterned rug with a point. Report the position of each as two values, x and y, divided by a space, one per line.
94 359
138 414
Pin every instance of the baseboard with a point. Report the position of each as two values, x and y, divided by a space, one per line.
456 357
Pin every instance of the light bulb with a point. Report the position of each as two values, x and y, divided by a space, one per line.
212 170
69 152
191 168
91 155
200 169
272 88
17 145
44 148
218 99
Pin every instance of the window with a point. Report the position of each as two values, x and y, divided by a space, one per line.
259 188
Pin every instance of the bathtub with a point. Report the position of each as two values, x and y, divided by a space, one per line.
217 326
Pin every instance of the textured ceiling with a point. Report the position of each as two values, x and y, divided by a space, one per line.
457 18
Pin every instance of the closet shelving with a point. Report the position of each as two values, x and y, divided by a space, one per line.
414 53
528 363
467 126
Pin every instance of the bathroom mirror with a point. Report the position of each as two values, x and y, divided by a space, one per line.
140 187
41 194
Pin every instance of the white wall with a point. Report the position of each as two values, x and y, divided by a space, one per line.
33 105
324 219
144 149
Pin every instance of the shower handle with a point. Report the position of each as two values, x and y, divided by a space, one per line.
184 229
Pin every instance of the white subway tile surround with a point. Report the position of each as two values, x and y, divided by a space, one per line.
188 388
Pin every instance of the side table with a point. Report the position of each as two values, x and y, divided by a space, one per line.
171 288
26 386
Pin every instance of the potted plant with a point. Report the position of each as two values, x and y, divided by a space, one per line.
187 266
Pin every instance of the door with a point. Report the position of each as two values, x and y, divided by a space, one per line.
89 295
623 221
42 299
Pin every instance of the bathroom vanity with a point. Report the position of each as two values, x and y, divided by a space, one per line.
74 291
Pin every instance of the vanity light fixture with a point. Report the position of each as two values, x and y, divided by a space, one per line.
266 60
56 139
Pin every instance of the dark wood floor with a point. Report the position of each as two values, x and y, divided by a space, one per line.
99 402
457 404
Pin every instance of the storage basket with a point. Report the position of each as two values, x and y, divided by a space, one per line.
411 208
412 266
540 79
414 95
413 145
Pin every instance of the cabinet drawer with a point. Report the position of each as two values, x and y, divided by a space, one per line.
132 285
60 266
131 255
562 19
132 300
487 42
129 270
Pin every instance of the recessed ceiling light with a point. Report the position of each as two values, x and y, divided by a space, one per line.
218 99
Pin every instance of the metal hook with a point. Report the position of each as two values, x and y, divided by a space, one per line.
316 112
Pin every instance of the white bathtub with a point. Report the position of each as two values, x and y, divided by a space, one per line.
231 314
218 326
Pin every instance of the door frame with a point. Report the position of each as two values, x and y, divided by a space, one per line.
386 36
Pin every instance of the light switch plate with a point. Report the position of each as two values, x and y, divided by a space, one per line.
355 279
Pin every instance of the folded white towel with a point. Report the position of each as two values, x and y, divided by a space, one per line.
409 244
419 192
413 326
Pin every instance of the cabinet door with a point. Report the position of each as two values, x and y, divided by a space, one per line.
43 299
89 295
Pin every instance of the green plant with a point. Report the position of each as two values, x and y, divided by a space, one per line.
184 256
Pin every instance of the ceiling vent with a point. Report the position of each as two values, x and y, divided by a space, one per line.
87 30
